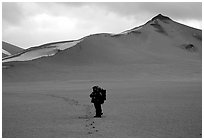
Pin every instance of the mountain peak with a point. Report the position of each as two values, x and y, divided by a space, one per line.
161 17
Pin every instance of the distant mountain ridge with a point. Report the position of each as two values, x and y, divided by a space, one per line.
160 28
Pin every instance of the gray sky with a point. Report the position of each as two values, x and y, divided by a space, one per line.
31 24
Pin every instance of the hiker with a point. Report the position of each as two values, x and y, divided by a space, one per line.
97 98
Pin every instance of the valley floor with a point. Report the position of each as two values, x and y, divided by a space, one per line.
133 109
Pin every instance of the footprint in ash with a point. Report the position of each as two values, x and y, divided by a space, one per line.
89 120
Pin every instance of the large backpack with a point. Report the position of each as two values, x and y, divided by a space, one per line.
103 92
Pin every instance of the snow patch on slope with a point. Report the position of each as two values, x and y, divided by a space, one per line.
63 46
129 31
6 52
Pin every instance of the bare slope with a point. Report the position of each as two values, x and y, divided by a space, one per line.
133 109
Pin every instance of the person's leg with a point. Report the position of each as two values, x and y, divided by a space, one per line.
98 109
98 113
95 105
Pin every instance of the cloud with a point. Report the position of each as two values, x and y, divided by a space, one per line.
11 13
187 10
175 9
143 11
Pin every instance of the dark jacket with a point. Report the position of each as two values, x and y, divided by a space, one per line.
96 97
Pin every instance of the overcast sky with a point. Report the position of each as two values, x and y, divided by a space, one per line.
31 24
